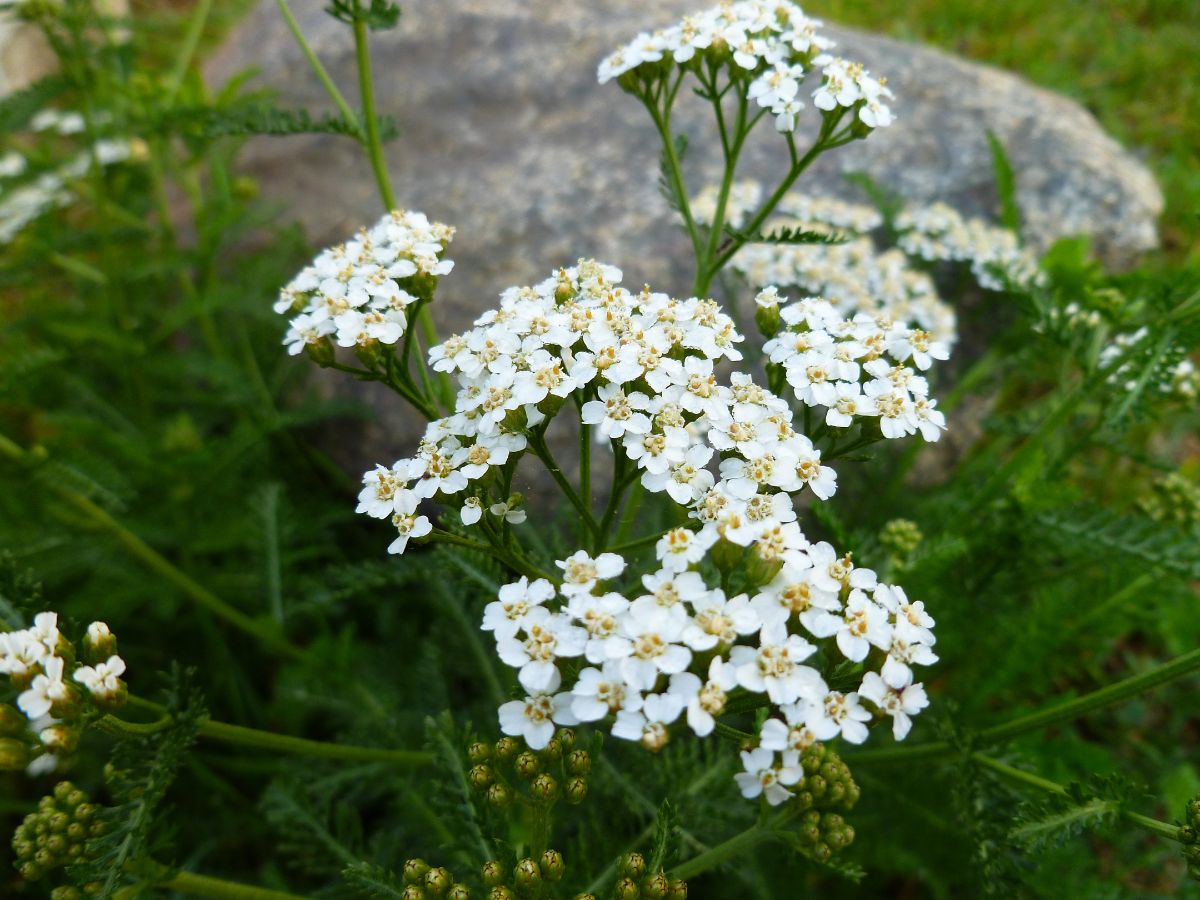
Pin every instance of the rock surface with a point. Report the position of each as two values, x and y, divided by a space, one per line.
507 135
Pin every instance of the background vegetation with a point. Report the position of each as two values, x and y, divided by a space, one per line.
162 468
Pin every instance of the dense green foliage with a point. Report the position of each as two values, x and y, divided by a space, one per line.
164 468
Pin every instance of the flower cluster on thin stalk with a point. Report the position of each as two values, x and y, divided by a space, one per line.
855 275
358 293
29 188
771 45
55 688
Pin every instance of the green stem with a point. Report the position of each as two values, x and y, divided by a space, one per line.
264 632
191 40
315 64
820 145
735 846
266 740
514 562
208 886
662 121
1163 829
366 87
1117 692
537 443
620 482
585 464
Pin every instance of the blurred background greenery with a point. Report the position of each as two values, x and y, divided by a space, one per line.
1133 63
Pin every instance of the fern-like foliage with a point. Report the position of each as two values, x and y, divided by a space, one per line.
261 118
786 235
142 769
454 798
367 880
1051 821
1097 533
20 106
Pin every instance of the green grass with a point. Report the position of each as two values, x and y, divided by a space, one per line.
1134 63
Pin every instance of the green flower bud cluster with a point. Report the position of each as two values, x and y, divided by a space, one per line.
56 834
422 880
635 883
557 772
828 788
1189 836
901 538
528 878
1173 500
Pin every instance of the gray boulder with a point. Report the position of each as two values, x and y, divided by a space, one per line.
507 135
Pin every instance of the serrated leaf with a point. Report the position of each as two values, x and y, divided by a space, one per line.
786 235
373 881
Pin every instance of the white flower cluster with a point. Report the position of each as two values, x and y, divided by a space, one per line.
357 292
681 648
940 233
771 44
20 204
840 214
1181 379
38 661
854 276
856 367
744 198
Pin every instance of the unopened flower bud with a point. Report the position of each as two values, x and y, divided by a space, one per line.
655 737
14 755
656 887
500 892
579 762
527 874
679 890
585 897
412 892
12 722
481 777
492 873
553 751
98 644
414 870
544 789
438 881
566 737
766 312
726 555
552 865
500 796
527 765
479 752
633 865
506 747
575 790
66 892
60 738
459 892
321 352
627 889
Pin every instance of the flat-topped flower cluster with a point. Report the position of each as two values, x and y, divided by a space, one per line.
856 367
358 293
940 233
42 665
856 275
673 647
641 369
771 46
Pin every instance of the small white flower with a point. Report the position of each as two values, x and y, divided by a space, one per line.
901 704
534 718
766 776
